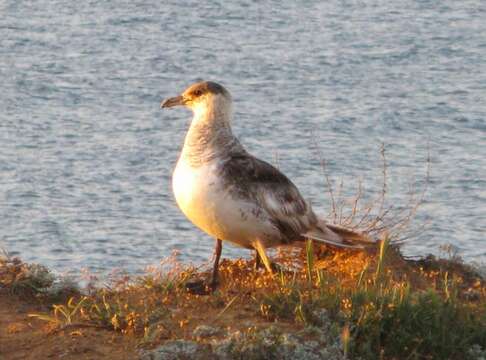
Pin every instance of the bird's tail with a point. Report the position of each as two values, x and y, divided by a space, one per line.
339 236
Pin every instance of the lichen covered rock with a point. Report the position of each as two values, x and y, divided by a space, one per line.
180 350
273 344
267 344
205 331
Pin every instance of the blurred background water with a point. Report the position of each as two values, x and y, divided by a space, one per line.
86 155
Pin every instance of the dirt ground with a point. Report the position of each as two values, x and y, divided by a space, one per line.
23 337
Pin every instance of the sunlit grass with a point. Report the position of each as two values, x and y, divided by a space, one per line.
63 315
375 302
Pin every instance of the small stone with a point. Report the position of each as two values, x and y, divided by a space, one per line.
310 350
205 331
476 352
472 295
321 317
180 350
224 349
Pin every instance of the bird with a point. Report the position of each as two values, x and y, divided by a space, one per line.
232 195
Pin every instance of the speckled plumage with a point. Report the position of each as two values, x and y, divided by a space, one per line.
229 193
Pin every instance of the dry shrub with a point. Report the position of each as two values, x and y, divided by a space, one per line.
377 217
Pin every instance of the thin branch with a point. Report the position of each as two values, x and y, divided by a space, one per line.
326 175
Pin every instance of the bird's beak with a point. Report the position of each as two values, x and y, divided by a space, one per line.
175 101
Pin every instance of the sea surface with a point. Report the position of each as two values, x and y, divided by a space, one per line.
86 155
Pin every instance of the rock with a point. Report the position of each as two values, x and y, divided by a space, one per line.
472 294
314 332
267 344
321 318
476 352
180 350
273 344
223 349
205 331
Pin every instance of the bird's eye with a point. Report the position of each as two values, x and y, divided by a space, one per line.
197 93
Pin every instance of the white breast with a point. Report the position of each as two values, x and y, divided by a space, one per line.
200 195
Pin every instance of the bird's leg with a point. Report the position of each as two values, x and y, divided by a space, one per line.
258 261
217 255
260 249
200 287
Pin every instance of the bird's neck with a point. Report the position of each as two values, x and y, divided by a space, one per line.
209 136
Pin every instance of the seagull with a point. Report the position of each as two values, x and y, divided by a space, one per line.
234 196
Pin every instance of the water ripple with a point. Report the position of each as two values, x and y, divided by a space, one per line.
87 156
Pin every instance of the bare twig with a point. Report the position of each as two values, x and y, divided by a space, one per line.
326 176
376 216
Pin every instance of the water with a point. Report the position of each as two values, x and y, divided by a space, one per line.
86 154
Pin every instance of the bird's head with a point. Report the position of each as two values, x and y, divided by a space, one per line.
203 98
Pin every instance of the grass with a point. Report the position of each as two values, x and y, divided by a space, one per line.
389 315
394 320
373 303
21 278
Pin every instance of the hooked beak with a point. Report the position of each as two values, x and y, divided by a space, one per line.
175 101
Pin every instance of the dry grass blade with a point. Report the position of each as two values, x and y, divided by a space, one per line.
63 314
226 307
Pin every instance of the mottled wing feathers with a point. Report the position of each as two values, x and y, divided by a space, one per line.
251 178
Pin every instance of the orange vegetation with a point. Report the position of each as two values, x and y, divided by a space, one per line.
115 322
